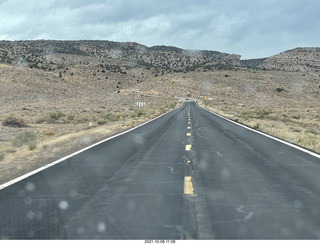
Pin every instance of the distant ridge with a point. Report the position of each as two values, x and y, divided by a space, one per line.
169 58
165 57
298 59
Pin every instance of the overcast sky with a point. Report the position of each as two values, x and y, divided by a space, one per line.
251 28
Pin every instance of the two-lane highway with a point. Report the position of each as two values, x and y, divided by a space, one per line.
186 175
253 187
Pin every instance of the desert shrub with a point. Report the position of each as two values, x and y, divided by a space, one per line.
256 126
40 120
172 105
279 89
296 116
84 118
101 122
32 146
1 156
272 117
25 138
208 102
11 150
260 114
54 116
138 113
112 117
141 113
14 121
312 131
254 114
49 133
70 117
162 110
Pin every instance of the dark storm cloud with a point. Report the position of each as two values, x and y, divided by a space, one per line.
250 28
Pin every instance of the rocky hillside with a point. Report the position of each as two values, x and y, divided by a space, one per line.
253 63
298 59
117 56
37 54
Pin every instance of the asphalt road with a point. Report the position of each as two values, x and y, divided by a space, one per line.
187 175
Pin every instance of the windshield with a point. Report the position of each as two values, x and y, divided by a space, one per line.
140 121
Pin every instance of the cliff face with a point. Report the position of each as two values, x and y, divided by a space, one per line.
298 59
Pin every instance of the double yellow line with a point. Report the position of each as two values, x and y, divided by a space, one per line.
188 186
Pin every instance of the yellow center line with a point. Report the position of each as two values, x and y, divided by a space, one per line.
189 128
188 147
188 134
188 187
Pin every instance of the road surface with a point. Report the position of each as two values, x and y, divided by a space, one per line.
186 175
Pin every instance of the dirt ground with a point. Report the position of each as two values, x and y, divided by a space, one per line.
49 148
58 116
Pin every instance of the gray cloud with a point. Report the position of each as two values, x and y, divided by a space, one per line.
251 28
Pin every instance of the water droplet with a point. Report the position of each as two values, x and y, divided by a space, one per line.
101 227
203 164
131 206
249 90
138 140
298 87
86 140
80 230
225 173
264 102
63 205
30 215
21 193
42 99
73 193
54 220
31 233
297 204
39 215
28 200
30 186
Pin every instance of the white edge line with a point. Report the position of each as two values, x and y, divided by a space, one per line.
20 178
267 135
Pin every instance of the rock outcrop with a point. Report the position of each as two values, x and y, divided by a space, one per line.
298 59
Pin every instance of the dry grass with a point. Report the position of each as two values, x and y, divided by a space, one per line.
283 104
25 138
299 130
60 134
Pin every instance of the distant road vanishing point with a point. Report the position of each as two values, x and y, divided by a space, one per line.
188 174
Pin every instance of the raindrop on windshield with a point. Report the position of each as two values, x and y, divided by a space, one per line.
63 205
